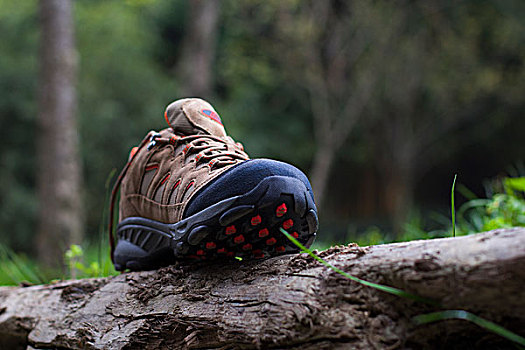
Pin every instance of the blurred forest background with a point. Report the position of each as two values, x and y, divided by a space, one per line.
379 102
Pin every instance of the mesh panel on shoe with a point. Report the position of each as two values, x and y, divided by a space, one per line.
241 179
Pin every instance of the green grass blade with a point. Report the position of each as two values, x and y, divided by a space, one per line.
452 208
103 257
380 287
16 268
26 271
464 315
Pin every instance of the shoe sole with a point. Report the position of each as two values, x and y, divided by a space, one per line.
245 226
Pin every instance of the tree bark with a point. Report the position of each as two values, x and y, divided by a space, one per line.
59 171
320 172
398 179
290 302
198 54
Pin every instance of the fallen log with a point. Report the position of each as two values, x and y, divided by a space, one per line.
287 302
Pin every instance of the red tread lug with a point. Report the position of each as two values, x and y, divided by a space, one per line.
280 248
258 253
281 210
264 232
238 239
221 250
200 252
247 246
230 230
256 220
295 234
211 245
287 224
271 241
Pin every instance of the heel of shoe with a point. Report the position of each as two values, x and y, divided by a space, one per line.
142 246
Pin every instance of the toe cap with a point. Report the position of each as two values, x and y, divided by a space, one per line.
241 179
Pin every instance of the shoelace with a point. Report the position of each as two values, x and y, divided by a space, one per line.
207 148
210 148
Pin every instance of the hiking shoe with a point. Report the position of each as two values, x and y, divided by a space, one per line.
191 192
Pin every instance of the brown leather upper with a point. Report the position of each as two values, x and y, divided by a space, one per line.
171 166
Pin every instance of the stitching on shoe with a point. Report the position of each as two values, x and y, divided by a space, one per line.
174 191
168 212
198 187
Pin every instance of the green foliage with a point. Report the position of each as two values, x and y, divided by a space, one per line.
88 264
18 67
94 261
413 229
514 185
18 269
506 208
371 236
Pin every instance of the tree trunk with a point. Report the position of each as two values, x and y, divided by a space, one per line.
399 194
198 54
320 172
59 171
290 302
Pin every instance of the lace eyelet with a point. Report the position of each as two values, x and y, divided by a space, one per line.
153 141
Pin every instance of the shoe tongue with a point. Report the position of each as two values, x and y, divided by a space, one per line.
192 116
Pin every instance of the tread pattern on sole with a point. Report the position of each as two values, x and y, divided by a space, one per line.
246 226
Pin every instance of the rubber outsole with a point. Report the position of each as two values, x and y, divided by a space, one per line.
245 226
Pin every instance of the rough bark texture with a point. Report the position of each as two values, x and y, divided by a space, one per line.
60 218
286 302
